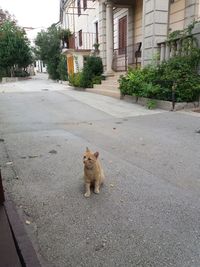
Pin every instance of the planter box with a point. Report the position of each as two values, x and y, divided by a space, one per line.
162 104
185 105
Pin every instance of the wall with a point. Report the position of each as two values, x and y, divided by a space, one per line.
86 21
137 21
177 15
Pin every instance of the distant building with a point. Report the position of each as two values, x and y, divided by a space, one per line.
40 66
82 21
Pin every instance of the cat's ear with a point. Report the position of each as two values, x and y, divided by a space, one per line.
96 154
87 149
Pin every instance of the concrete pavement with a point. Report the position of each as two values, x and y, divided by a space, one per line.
147 214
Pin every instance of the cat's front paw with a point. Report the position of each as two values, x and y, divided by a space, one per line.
87 194
96 191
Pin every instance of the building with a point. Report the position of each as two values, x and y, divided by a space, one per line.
129 32
81 18
40 67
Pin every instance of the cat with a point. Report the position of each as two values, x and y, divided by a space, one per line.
93 172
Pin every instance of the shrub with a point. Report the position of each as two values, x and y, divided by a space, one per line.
75 79
3 73
96 80
151 104
95 65
21 73
157 81
92 68
62 68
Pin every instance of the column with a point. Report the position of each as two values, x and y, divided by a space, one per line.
130 33
162 52
167 51
109 38
155 27
102 32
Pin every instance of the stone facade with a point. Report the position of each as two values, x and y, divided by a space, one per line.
148 23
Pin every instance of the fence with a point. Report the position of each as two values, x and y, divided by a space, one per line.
81 41
128 56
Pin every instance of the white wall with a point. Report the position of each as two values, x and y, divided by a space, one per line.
86 20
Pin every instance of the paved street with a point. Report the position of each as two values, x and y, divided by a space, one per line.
148 211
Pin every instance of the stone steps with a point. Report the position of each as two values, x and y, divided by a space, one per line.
108 87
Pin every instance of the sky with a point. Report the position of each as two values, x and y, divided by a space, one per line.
33 13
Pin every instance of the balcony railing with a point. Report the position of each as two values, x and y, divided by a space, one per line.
175 47
127 56
81 41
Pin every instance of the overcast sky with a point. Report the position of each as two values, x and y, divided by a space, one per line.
33 13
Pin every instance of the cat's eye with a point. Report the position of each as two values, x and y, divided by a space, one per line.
84 157
89 158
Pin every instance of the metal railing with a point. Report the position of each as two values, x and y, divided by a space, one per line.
81 41
129 56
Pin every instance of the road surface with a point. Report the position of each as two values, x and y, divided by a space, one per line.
148 212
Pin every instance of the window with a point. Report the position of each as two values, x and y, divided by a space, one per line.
122 35
97 33
84 4
79 7
80 38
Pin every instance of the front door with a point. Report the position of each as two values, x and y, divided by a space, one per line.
70 64
122 35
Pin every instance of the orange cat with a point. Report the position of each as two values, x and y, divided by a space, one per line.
93 172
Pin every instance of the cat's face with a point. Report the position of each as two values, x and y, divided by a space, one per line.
89 158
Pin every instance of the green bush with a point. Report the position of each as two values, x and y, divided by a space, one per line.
75 79
95 65
151 104
3 73
62 68
92 68
21 73
157 81
96 80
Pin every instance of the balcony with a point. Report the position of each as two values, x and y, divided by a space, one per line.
80 41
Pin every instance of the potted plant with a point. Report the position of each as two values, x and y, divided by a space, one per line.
65 35
96 47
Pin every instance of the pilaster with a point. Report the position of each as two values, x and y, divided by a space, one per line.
155 27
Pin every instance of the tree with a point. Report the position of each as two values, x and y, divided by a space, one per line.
48 50
15 51
5 15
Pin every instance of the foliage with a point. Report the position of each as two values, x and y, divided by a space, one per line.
15 52
179 72
6 16
96 46
75 79
64 35
21 73
62 68
96 80
157 81
151 104
48 50
92 68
